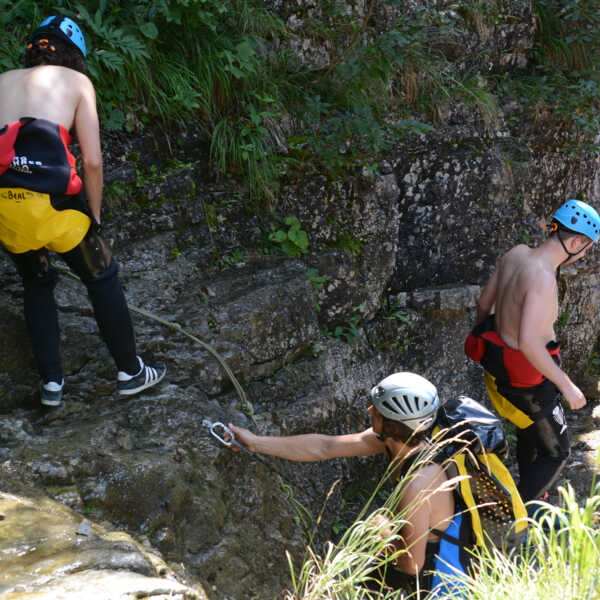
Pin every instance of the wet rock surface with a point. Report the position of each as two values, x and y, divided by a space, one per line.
49 551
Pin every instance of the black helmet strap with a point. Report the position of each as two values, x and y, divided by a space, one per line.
569 254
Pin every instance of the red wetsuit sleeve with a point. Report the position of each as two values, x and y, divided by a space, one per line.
74 184
8 136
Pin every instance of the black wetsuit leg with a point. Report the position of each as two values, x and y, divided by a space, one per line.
542 448
99 272
41 315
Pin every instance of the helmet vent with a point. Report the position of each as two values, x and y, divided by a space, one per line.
580 217
406 397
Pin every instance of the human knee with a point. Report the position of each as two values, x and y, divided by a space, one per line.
104 289
554 445
559 456
35 269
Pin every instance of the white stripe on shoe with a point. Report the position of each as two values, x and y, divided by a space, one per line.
149 375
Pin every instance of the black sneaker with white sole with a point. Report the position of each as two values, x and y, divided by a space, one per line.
150 374
52 393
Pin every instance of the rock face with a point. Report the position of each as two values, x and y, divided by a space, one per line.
390 282
49 551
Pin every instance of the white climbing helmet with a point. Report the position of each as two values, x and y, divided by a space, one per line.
408 398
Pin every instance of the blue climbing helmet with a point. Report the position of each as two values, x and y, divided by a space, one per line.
579 217
62 28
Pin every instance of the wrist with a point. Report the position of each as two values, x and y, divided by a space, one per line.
253 444
564 383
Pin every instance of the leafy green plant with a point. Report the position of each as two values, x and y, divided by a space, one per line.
239 147
391 310
161 62
315 278
593 366
347 331
293 241
227 261
563 319
565 82
267 113
394 312
401 345
350 243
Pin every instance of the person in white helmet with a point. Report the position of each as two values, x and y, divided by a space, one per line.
403 412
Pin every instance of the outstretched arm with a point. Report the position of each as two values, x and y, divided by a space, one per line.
88 134
311 446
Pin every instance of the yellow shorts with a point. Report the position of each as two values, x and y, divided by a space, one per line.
28 221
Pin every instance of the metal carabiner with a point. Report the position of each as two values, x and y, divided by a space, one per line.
215 427
219 430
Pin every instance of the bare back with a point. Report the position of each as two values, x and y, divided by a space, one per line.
46 92
520 273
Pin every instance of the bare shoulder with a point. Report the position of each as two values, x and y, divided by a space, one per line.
55 76
526 263
514 260
8 74
519 252
81 80
9 78
539 276
427 479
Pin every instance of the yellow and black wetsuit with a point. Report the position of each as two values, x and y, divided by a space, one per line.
43 207
520 393
41 199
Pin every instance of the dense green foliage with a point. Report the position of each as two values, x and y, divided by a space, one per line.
157 62
362 84
564 81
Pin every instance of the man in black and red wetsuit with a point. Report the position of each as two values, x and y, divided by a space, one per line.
517 345
44 205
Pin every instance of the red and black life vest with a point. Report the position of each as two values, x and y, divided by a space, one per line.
510 367
34 155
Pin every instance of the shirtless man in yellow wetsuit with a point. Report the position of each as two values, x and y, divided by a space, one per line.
517 345
44 205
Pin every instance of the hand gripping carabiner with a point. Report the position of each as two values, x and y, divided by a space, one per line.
220 430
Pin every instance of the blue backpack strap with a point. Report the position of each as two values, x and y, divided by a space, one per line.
448 560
